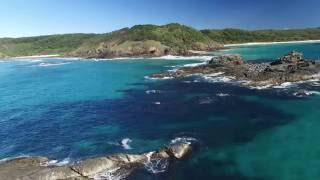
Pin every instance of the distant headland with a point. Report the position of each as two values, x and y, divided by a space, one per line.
146 41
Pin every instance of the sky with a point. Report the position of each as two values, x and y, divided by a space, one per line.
42 17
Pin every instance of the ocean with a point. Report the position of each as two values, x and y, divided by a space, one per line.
73 109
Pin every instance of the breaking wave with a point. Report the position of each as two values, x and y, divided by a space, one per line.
170 57
155 166
305 93
185 140
152 78
52 64
57 162
125 143
153 91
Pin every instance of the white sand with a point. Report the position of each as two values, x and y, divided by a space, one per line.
36 56
266 43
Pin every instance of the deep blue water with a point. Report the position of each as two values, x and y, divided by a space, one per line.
72 109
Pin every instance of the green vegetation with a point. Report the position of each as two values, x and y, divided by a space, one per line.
173 38
142 39
226 36
54 44
177 36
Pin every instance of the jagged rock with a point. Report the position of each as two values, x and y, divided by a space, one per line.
292 57
290 68
36 168
227 60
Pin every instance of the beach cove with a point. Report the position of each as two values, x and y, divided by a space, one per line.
229 125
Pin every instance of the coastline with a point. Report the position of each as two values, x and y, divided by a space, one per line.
202 56
270 43
194 53
33 57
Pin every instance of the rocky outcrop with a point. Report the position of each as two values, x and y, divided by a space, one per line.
148 48
290 68
119 165
115 49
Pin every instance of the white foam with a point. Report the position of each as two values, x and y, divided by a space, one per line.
261 87
155 166
306 93
157 103
185 140
315 84
171 66
52 64
217 78
110 175
188 82
37 60
195 64
284 85
125 143
57 162
222 94
170 57
206 100
153 91
173 70
152 78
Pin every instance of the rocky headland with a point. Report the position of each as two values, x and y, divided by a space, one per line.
114 166
289 68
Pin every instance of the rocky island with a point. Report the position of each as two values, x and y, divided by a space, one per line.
119 165
290 68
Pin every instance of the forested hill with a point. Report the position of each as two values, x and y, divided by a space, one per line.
145 40
230 36
140 40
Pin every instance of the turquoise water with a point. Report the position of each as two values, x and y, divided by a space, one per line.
73 109
271 52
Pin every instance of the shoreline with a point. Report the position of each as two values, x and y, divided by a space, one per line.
194 53
167 57
32 57
270 43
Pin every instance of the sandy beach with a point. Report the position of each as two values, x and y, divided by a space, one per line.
36 56
31 57
266 43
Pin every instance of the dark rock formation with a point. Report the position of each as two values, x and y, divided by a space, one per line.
290 68
119 165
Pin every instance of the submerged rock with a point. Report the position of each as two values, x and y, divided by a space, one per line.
119 165
290 68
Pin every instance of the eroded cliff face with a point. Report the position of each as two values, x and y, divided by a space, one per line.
148 48
124 49
119 165
290 68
